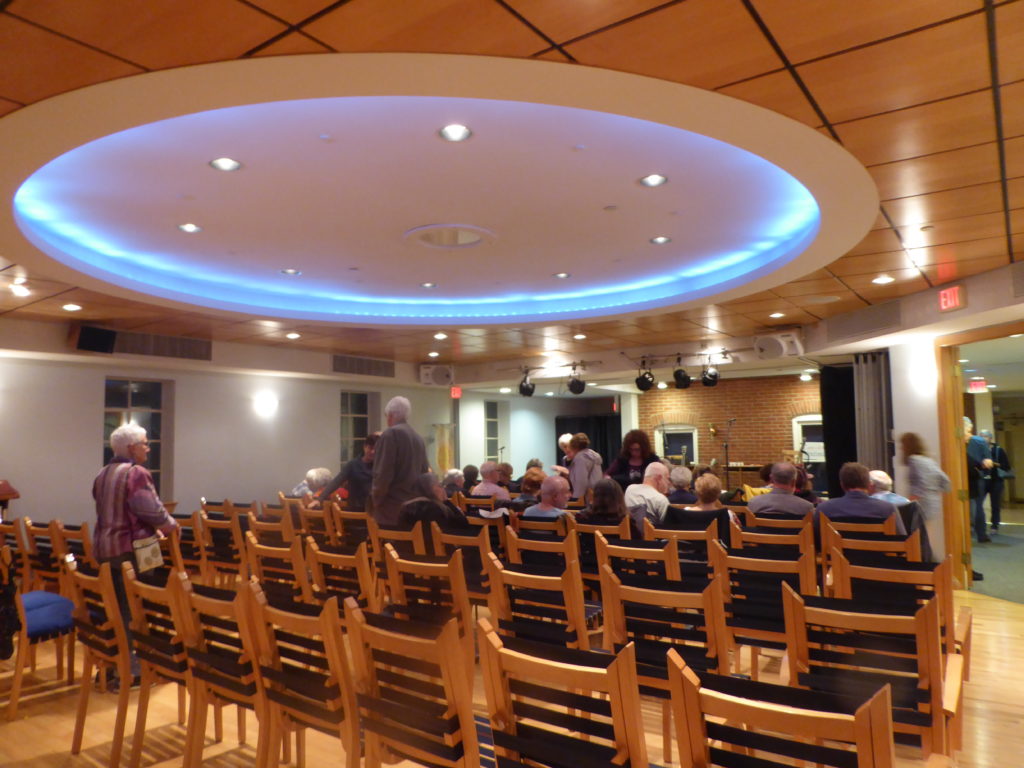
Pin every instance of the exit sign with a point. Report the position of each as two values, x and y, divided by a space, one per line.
977 387
954 297
456 393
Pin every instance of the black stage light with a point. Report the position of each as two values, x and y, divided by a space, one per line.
682 378
526 387
645 380
576 384
709 377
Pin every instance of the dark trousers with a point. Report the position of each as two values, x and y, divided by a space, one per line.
978 515
117 577
994 489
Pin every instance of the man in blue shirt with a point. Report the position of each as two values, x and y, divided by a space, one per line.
855 501
979 468
881 488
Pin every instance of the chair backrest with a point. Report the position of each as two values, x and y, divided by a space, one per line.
406 541
279 570
497 530
640 559
473 504
734 569
319 523
774 519
475 545
846 646
44 566
157 640
543 548
862 525
551 706
621 530
538 603
97 618
342 573
72 540
223 552
796 539
303 666
184 547
895 545
415 700
274 525
717 717
351 526
702 536
555 525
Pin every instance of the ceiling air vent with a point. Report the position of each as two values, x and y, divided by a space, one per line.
870 321
364 366
128 343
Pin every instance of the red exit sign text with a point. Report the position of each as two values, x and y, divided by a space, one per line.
954 297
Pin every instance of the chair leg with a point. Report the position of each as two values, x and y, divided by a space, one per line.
263 735
195 738
59 656
140 716
666 732
286 740
123 694
181 704
83 704
19 671
240 713
218 721
71 659
300 748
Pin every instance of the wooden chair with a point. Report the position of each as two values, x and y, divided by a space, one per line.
842 645
159 646
774 519
273 525
216 627
551 706
639 559
472 505
406 541
751 588
861 525
319 523
414 698
895 583
905 547
548 549
475 546
10 537
692 543
728 721
279 570
657 615
183 549
766 540
496 527
73 540
539 604
304 672
223 551
343 573
555 525
352 527
41 616
100 629
584 533
44 566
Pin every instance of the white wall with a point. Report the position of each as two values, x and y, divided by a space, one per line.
52 414
915 379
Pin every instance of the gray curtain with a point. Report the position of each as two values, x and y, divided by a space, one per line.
873 402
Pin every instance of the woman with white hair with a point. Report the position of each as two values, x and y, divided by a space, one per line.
316 478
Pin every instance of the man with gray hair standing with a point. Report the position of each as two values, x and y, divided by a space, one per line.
400 459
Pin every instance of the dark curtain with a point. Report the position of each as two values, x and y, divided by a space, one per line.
605 433
873 397
838 419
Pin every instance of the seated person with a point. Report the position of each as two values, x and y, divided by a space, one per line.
430 505
648 498
554 495
454 481
881 488
855 501
530 465
488 485
681 477
316 479
608 507
505 480
530 486
471 473
709 499
782 499
804 486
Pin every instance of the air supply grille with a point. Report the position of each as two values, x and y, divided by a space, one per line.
364 366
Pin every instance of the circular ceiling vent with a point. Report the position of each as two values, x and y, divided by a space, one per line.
450 235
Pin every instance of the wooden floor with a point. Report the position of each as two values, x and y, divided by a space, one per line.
41 736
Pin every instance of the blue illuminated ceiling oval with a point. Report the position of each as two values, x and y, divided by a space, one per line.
352 207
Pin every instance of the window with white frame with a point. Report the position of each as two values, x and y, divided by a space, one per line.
491 439
677 442
809 436
133 401
355 423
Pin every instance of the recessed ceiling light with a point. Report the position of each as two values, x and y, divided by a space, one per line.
562 275
970 370
428 285
433 354
927 227
71 307
293 335
225 164
991 386
662 385
963 360
291 272
977 378
579 336
805 377
1016 335
884 280
440 335
549 394
20 290
810 370
19 280
505 390
653 180
190 228
661 240
777 315
455 132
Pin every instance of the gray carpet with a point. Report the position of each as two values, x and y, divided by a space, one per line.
1002 561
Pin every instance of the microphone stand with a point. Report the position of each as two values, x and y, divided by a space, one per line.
728 432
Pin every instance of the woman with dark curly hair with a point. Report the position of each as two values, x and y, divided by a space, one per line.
633 459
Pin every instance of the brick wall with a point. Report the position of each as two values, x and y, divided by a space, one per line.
763 409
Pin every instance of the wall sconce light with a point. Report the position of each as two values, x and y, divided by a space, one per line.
265 404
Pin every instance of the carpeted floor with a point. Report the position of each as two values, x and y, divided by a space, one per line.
1002 561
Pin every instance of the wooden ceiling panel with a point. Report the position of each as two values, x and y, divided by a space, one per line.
565 21
990 247
734 325
809 30
292 11
876 293
942 125
843 301
778 92
706 43
954 230
1015 187
870 264
8 106
821 286
935 63
1010 41
790 316
293 43
945 170
759 309
1012 100
1014 157
876 241
436 26
169 33
967 201
36 63
940 274
553 55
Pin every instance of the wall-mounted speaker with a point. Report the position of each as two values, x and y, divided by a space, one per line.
437 375
92 339
775 345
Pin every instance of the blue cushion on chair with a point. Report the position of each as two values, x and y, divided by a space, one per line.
46 614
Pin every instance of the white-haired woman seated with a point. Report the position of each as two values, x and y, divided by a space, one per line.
316 479
454 481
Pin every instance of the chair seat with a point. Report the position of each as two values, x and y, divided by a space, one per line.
46 614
